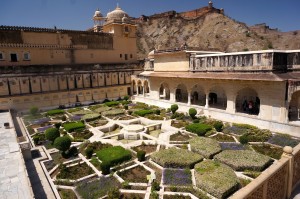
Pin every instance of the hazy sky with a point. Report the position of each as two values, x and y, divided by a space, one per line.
77 14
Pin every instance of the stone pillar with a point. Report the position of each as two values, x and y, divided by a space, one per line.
172 97
206 100
143 87
288 153
230 102
189 98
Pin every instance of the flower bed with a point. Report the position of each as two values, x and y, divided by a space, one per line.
41 120
90 116
271 151
136 175
102 109
154 117
256 135
241 160
177 177
179 123
205 146
114 155
231 146
113 112
179 137
67 194
74 172
74 110
71 126
198 128
81 136
44 128
98 188
176 158
144 147
55 112
223 138
99 122
238 129
217 179
283 140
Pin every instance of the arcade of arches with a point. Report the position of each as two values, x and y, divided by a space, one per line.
242 98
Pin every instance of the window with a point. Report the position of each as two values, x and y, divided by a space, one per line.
1 83
126 57
130 56
26 56
13 57
120 55
1 56
126 29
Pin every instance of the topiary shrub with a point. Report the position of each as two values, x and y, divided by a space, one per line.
34 110
89 152
62 143
112 103
198 128
126 97
36 139
244 139
141 155
105 168
157 112
218 125
57 125
192 112
142 113
64 118
174 108
126 107
51 134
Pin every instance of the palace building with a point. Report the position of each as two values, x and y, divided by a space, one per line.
51 67
261 88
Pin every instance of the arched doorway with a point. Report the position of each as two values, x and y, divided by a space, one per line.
294 107
164 91
181 94
146 87
140 88
217 98
134 91
247 101
198 96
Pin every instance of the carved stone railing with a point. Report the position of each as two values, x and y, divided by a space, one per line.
18 45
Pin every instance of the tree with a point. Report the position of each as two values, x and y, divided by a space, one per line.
51 134
192 112
174 108
62 143
89 152
34 110
141 155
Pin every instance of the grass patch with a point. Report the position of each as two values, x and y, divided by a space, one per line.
114 155
241 160
217 179
55 112
71 126
223 138
271 151
179 137
176 158
67 194
205 146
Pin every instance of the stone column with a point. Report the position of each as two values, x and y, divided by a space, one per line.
172 97
207 100
189 98
230 102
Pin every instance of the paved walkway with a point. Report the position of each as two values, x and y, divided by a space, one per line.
13 177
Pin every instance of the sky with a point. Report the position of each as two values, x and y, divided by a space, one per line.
77 14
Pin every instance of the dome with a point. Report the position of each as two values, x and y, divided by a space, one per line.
98 13
117 14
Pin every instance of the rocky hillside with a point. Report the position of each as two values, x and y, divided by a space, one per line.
213 31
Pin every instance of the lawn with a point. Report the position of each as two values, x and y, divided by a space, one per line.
71 126
114 155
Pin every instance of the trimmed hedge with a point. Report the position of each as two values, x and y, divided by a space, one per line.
55 112
112 103
198 128
217 179
90 116
241 160
71 126
51 134
114 155
174 108
142 113
218 125
205 146
176 158
192 112
141 155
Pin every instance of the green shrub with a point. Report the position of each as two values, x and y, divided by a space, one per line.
241 160
105 168
126 107
198 128
195 121
174 108
114 155
91 116
142 113
192 112
114 193
73 152
126 185
155 186
71 126
157 112
62 143
244 139
36 139
57 125
218 125
34 110
55 112
126 97
256 135
51 134
64 118
205 146
176 158
217 179
112 103
141 155
89 152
